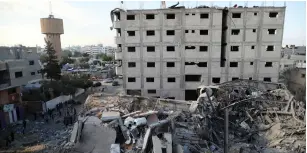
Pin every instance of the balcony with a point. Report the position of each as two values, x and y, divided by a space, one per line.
116 24
118 55
119 71
118 40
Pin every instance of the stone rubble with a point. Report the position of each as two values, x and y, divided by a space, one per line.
262 118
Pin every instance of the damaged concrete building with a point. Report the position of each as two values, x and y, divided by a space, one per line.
169 52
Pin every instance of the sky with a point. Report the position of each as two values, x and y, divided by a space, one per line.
88 22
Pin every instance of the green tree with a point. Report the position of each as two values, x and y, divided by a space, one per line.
85 55
43 58
66 60
84 59
66 53
105 57
77 54
52 68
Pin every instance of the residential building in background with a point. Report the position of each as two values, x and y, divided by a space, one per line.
53 28
18 66
292 57
168 53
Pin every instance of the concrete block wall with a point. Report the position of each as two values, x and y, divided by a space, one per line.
252 40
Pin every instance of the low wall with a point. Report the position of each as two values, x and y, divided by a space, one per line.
51 104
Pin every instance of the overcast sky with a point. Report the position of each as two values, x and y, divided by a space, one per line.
88 22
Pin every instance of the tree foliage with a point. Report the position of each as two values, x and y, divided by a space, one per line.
84 60
66 53
52 68
105 57
85 55
77 54
66 60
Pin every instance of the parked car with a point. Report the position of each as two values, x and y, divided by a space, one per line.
97 84
115 83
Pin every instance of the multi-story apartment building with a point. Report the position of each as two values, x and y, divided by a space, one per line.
168 53
18 66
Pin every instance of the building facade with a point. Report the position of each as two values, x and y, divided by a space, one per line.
18 66
168 53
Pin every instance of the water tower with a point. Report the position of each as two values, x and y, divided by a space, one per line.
53 28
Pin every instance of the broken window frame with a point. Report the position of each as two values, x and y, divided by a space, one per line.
233 48
170 32
268 64
189 47
170 16
131 64
267 79
150 79
274 33
255 13
233 64
130 17
188 78
234 78
131 49
149 64
150 18
170 64
151 48
170 48
253 47
203 48
270 48
235 32
254 30
171 79
150 33
204 15
215 81
204 32
186 31
273 14
131 33
202 64
236 15
251 63
131 79
151 91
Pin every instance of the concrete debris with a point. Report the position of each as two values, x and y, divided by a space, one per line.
262 118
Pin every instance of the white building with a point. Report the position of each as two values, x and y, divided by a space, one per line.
92 49
168 53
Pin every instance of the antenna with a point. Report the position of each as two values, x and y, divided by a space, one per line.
50 7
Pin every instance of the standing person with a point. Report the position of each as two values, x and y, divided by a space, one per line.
7 141
12 135
34 114
24 123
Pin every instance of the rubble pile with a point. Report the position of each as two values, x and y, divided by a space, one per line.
260 116
52 136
